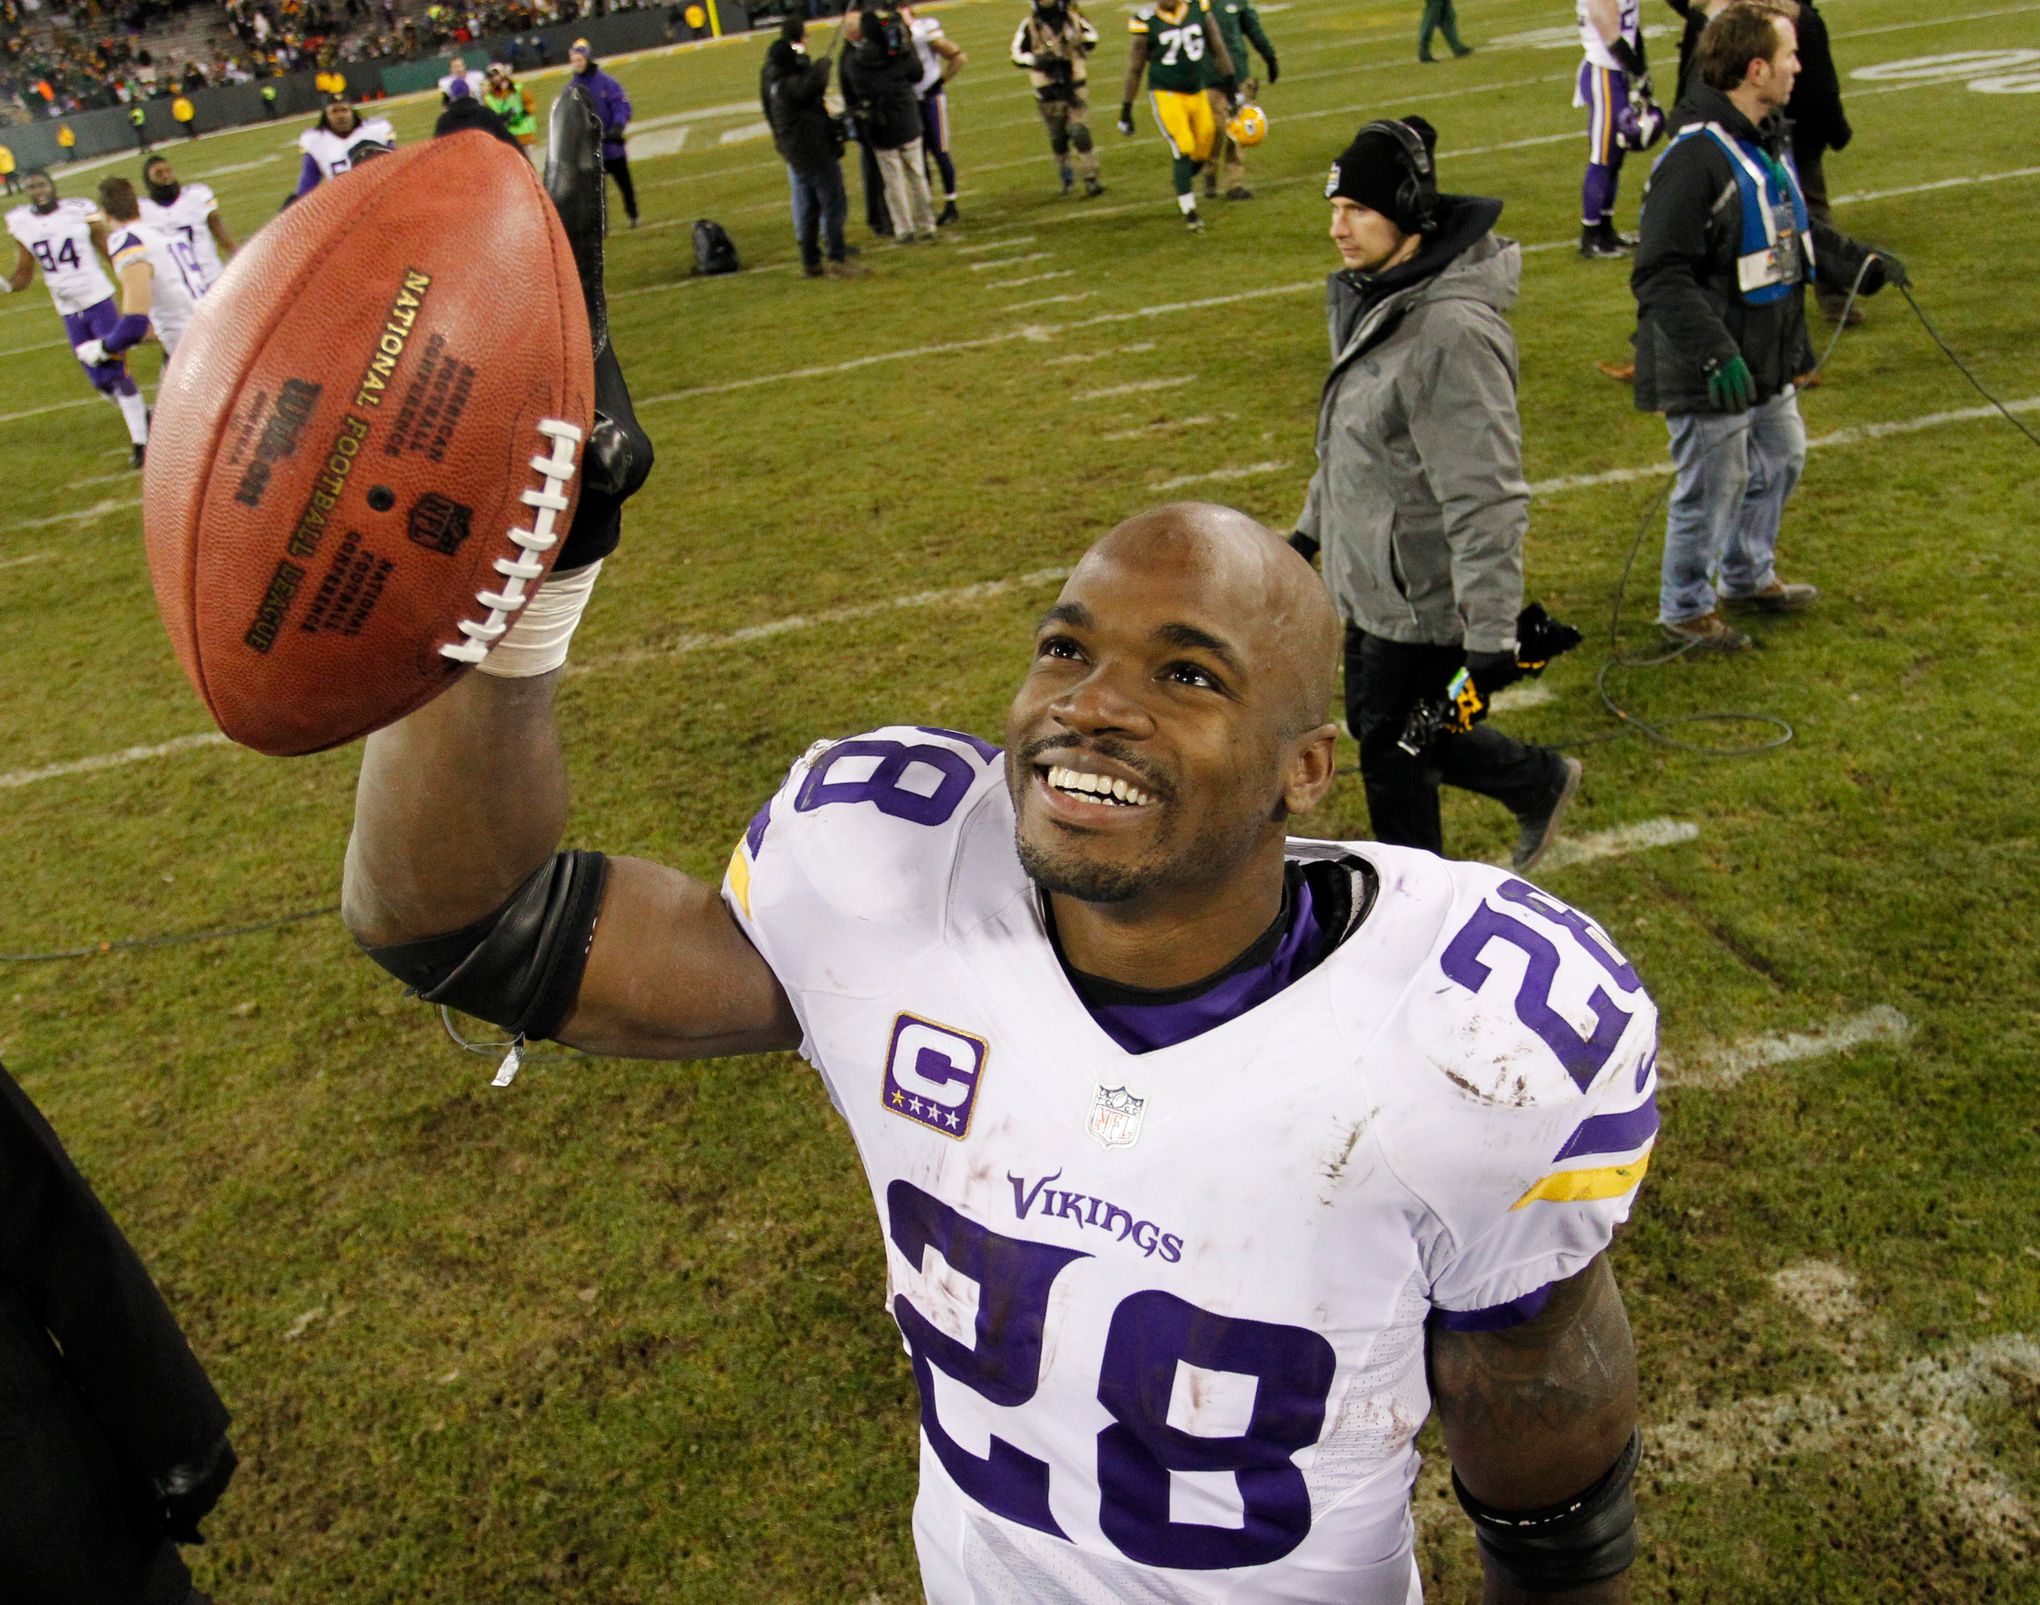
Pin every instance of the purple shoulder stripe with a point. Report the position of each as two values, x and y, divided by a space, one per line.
1496 1317
1612 1134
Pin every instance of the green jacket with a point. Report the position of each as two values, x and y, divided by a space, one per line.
515 110
1238 22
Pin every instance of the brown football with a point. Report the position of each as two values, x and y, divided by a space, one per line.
365 452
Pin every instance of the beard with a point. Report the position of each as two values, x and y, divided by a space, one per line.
1074 876
164 194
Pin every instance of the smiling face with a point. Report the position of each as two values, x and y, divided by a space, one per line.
42 191
1173 716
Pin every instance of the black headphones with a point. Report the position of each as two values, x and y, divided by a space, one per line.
1417 196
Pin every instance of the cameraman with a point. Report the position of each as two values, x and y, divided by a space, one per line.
809 141
880 72
1419 498
1051 43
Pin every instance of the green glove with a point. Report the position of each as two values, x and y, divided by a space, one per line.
1730 385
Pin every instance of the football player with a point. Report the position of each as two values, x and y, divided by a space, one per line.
190 211
1170 45
941 58
332 144
62 238
459 80
1614 86
1207 1160
159 280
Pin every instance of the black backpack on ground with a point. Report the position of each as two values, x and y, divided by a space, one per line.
714 251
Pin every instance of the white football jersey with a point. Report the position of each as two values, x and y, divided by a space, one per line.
330 150
1167 1310
1631 16
61 243
189 217
924 30
174 281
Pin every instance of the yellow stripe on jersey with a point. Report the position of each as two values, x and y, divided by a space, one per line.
1583 1186
1137 25
740 880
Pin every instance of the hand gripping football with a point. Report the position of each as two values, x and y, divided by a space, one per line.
365 453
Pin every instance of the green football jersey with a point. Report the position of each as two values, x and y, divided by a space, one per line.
1176 48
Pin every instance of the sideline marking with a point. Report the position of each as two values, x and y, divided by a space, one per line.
112 760
1623 839
1134 387
1724 1067
1213 475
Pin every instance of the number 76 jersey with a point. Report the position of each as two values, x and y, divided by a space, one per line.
1167 1310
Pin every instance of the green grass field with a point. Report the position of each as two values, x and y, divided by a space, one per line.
616 1334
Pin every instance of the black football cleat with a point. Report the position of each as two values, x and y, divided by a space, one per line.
136 453
949 214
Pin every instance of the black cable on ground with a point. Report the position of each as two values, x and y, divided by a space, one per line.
171 939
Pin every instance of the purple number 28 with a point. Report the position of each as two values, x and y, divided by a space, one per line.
1581 1055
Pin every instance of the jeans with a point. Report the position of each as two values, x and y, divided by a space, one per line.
819 206
1384 680
1735 470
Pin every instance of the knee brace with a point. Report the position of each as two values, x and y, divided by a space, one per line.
1059 142
1081 138
520 967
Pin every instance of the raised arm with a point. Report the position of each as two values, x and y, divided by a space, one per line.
1540 1423
453 879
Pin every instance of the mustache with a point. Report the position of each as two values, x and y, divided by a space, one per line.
1117 752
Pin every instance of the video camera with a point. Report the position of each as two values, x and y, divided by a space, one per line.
1539 639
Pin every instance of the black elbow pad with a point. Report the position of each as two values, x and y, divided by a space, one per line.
520 967
1585 1539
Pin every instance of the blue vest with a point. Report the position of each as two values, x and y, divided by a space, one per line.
1776 252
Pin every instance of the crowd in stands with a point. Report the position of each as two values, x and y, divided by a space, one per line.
62 56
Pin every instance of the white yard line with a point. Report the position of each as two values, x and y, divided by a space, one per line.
1011 242
1136 387
1047 301
1617 843
111 760
82 515
1724 1067
1032 278
1009 261
47 345
30 557
1165 426
1094 356
1212 476
1939 183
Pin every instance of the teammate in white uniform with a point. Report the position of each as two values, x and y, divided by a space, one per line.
159 279
190 211
942 58
1191 1145
1614 86
458 73
331 144
63 239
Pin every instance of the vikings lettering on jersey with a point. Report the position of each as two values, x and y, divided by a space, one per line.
60 240
189 217
1630 15
1166 1310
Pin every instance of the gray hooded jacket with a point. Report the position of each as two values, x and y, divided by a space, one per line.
1419 499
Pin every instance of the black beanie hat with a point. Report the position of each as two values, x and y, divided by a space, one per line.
793 30
1374 167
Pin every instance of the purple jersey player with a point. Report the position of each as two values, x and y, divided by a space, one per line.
64 238
1614 86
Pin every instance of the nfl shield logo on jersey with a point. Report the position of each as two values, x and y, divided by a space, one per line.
1115 1117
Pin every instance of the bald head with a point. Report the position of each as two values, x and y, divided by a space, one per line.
1275 612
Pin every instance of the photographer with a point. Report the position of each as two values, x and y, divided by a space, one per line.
1419 499
1052 43
880 72
810 142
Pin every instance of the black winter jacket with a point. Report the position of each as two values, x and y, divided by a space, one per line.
1815 110
880 87
1688 310
791 88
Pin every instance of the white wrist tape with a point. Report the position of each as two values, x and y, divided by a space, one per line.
537 642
